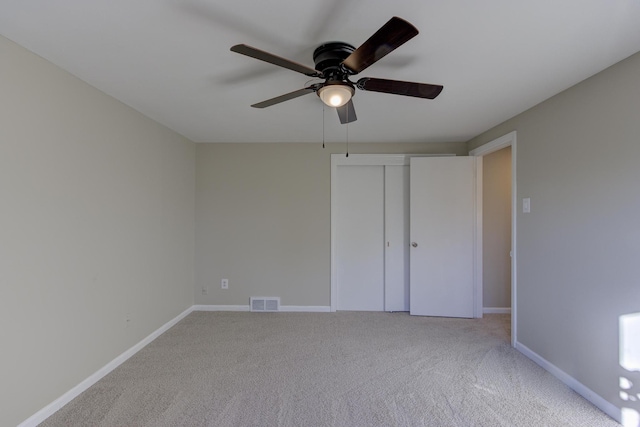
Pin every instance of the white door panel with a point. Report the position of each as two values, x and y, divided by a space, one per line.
442 216
396 272
360 238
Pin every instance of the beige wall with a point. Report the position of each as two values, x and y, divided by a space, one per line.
578 270
96 224
263 219
496 229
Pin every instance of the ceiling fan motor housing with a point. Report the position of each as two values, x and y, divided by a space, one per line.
328 58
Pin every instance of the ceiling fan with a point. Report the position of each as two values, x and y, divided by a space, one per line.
335 62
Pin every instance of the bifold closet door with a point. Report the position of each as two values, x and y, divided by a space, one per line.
360 238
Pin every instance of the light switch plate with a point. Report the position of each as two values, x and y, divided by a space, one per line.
526 205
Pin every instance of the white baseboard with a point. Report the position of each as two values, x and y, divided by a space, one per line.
584 391
283 308
57 404
306 308
221 308
496 310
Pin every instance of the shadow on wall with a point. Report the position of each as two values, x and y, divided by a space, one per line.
630 372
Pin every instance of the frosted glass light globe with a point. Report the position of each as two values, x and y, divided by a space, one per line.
335 95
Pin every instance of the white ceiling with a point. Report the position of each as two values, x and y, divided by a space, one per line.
170 59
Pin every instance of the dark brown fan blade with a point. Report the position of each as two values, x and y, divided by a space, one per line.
419 90
275 60
390 36
286 96
347 113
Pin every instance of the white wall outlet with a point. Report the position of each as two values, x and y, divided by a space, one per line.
205 291
224 283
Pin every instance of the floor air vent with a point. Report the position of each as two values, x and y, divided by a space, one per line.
265 304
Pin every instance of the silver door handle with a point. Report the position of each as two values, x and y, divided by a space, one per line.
414 244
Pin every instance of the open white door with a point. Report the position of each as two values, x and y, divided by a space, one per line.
442 229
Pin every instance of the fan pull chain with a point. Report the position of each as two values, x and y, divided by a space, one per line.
347 132
323 125
347 139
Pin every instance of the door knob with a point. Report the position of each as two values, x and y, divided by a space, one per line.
414 244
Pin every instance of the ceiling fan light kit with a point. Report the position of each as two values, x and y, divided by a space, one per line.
336 94
335 62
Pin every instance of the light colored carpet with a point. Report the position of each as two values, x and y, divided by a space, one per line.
330 369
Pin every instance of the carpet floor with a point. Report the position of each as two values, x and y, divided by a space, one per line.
330 369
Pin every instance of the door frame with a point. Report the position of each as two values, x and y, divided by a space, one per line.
357 160
508 140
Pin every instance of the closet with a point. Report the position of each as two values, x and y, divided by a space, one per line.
372 231
403 235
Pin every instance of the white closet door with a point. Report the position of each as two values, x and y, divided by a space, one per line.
360 238
396 272
443 218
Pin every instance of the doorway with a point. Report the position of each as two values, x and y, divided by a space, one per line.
496 232
508 140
